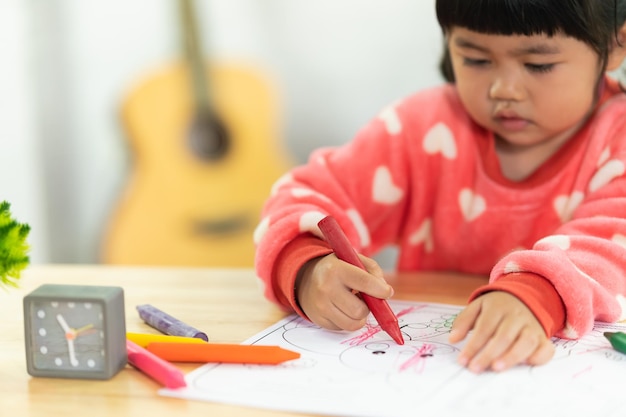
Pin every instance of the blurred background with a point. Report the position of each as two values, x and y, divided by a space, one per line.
82 107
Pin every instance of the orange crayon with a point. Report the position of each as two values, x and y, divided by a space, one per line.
220 352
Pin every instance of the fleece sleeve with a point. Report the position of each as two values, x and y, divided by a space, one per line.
585 258
289 262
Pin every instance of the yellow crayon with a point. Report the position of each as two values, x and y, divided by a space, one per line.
143 339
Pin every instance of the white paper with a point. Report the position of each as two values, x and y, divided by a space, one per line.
366 374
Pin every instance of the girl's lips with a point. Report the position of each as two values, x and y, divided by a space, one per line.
512 123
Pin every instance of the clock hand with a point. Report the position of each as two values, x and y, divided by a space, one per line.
83 329
72 353
70 335
64 326
70 332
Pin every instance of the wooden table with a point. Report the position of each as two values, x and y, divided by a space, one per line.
225 303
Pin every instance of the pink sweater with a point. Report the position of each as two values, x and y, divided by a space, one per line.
424 177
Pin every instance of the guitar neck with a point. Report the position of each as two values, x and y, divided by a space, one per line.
194 55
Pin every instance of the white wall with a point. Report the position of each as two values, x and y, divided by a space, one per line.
20 162
67 64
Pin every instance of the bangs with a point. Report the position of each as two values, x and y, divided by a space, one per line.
515 17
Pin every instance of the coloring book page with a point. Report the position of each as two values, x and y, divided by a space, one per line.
366 374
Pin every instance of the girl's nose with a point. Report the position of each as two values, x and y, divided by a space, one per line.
506 88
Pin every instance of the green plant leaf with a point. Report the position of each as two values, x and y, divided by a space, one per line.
13 246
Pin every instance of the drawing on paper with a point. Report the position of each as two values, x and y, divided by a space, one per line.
390 379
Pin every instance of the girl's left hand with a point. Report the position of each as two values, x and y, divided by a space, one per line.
504 333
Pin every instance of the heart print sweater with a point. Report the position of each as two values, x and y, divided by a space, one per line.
423 177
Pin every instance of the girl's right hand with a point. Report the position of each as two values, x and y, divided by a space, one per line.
327 291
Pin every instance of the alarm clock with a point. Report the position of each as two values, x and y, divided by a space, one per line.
75 331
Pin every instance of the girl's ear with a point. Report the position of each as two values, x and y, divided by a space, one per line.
618 52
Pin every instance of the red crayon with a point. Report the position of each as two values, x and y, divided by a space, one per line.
344 251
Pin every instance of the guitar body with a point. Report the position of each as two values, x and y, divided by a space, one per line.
180 208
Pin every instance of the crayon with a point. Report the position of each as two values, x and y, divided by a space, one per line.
618 340
344 251
143 339
167 324
156 368
222 352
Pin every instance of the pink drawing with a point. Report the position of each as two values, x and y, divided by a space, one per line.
369 332
418 361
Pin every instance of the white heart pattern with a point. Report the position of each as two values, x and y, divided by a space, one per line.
562 242
423 235
604 156
300 192
619 239
472 205
260 230
606 174
512 267
569 332
440 139
309 221
284 179
361 228
384 191
566 205
391 120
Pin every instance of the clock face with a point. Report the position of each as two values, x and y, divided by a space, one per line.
67 335
75 331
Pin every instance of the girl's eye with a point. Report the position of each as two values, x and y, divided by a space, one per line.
540 67
472 62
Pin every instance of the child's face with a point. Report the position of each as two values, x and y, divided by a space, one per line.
528 90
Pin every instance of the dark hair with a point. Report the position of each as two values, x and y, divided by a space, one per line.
594 22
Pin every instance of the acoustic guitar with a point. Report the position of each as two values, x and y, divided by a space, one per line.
205 146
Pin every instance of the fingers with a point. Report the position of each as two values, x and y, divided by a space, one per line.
464 323
371 282
480 347
333 307
504 333
372 266
542 355
364 281
528 348
344 311
350 312
325 293
335 319
498 348
350 315
502 353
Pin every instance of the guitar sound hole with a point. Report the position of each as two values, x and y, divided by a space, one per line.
208 138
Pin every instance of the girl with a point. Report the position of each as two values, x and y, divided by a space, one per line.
516 168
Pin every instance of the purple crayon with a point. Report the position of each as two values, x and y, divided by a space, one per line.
168 324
